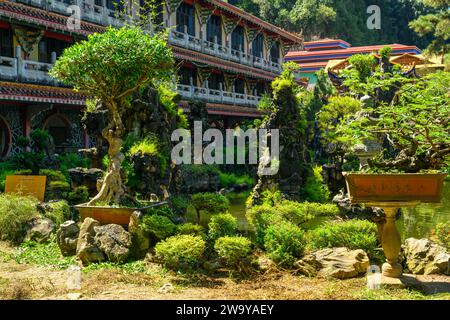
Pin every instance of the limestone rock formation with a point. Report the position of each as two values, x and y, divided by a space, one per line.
40 230
340 263
86 177
67 238
87 251
422 256
113 241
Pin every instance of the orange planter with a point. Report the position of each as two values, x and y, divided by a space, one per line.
423 187
110 215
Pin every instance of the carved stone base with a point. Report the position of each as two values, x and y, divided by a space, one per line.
393 270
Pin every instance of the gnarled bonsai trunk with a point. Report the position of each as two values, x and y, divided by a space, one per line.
112 189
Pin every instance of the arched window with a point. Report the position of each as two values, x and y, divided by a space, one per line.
5 138
59 128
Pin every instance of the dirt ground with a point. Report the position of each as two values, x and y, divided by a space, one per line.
26 281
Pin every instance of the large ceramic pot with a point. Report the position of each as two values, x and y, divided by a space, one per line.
111 215
386 187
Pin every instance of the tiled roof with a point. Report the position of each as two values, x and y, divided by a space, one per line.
18 11
12 91
228 110
188 55
225 6
343 53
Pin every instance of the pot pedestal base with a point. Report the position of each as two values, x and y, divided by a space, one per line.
390 237
404 281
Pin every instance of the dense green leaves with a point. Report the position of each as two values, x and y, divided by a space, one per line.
114 64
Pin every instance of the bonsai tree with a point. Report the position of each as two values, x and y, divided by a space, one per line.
212 203
111 67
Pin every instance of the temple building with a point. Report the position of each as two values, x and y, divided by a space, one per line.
225 57
319 54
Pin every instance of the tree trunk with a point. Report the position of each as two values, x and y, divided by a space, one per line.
112 189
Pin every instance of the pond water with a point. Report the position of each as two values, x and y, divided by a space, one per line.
416 222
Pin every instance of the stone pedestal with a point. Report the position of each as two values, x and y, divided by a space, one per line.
390 237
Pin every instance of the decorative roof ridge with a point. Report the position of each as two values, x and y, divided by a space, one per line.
54 19
248 16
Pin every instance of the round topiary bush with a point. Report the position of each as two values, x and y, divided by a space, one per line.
222 225
212 203
284 242
160 227
352 234
181 251
232 250
190 228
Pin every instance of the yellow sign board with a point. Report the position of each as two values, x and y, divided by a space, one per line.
26 185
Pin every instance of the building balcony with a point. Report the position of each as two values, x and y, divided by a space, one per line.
89 11
18 69
217 96
214 49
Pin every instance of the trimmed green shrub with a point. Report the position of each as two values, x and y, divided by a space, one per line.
56 190
180 252
353 234
315 189
212 203
179 204
53 175
260 218
72 160
222 225
15 213
58 212
284 243
190 228
232 250
160 227
78 195
442 234
164 210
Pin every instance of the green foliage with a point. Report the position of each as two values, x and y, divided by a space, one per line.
160 227
315 189
15 213
363 64
181 252
190 228
58 212
78 195
436 24
40 138
260 218
179 204
233 250
228 180
147 145
127 59
284 242
72 160
53 175
385 53
353 234
212 203
43 254
442 234
221 225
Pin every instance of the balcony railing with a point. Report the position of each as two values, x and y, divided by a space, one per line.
213 48
18 69
217 96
